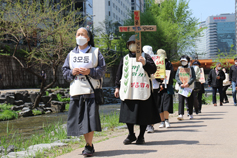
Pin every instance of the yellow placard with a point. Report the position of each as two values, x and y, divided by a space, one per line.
160 64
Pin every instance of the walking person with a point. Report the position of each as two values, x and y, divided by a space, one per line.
215 80
155 85
133 86
184 59
195 65
165 94
233 79
226 84
83 114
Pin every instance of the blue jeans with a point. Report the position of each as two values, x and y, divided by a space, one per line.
234 91
214 91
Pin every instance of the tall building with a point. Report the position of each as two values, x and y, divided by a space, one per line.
114 10
137 5
220 34
200 44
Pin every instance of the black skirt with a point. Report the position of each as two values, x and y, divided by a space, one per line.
164 101
83 117
139 112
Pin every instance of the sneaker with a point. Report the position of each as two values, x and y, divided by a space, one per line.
199 111
190 117
167 124
130 139
140 140
180 117
162 124
235 104
150 129
88 151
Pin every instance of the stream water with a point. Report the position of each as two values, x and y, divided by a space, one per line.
29 125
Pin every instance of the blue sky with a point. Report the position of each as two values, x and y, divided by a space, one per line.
201 9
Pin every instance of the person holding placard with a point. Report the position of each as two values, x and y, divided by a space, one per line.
134 87
155 84
202 81
83 114
185 76
164 94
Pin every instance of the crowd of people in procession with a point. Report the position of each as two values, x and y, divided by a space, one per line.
145 100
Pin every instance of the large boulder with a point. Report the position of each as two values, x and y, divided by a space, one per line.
26 112
18 96
53 96
2 100
10 99
45 99
33 96
17 108
18 102
57 106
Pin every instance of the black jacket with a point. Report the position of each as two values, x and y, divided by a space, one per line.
213 81
233 73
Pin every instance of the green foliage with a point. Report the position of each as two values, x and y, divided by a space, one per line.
8 115
59 98
224 57
46 93
176 28
67 107
49 135
37 112
110 120
5 106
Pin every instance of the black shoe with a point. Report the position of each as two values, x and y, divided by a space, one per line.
199 111
140 141
226 101
88 151
131 138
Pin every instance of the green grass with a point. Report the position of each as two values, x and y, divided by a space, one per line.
5 106
67 107
110 120
8 115
37 112
59 98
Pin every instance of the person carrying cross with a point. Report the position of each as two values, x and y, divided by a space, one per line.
134 88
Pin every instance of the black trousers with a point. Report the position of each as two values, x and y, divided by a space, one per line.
189 103
195 101
200 100
224 93
214 91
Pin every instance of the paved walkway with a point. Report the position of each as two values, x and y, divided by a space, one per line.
211 134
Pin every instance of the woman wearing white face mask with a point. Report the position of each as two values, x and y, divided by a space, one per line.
184 61
134 88
215 80
83 114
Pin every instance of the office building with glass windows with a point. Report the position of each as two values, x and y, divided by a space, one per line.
220 34
200 43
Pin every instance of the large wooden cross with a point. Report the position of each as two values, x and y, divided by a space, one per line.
137 29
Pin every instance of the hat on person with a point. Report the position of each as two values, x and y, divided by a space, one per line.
196 63
131 39
148 49
161 52
184 58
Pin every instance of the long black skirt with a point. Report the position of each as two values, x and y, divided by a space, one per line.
139 112
164 101
83 117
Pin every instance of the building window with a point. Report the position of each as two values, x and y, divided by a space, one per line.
116 7
109 3
113 5
109 13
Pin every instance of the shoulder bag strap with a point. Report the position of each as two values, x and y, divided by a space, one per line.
90 83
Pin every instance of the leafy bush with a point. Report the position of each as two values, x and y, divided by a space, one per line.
8 115
5 106
37 112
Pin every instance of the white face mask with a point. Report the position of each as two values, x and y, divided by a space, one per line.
184 63
235 63
132 47
219 68
81 41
